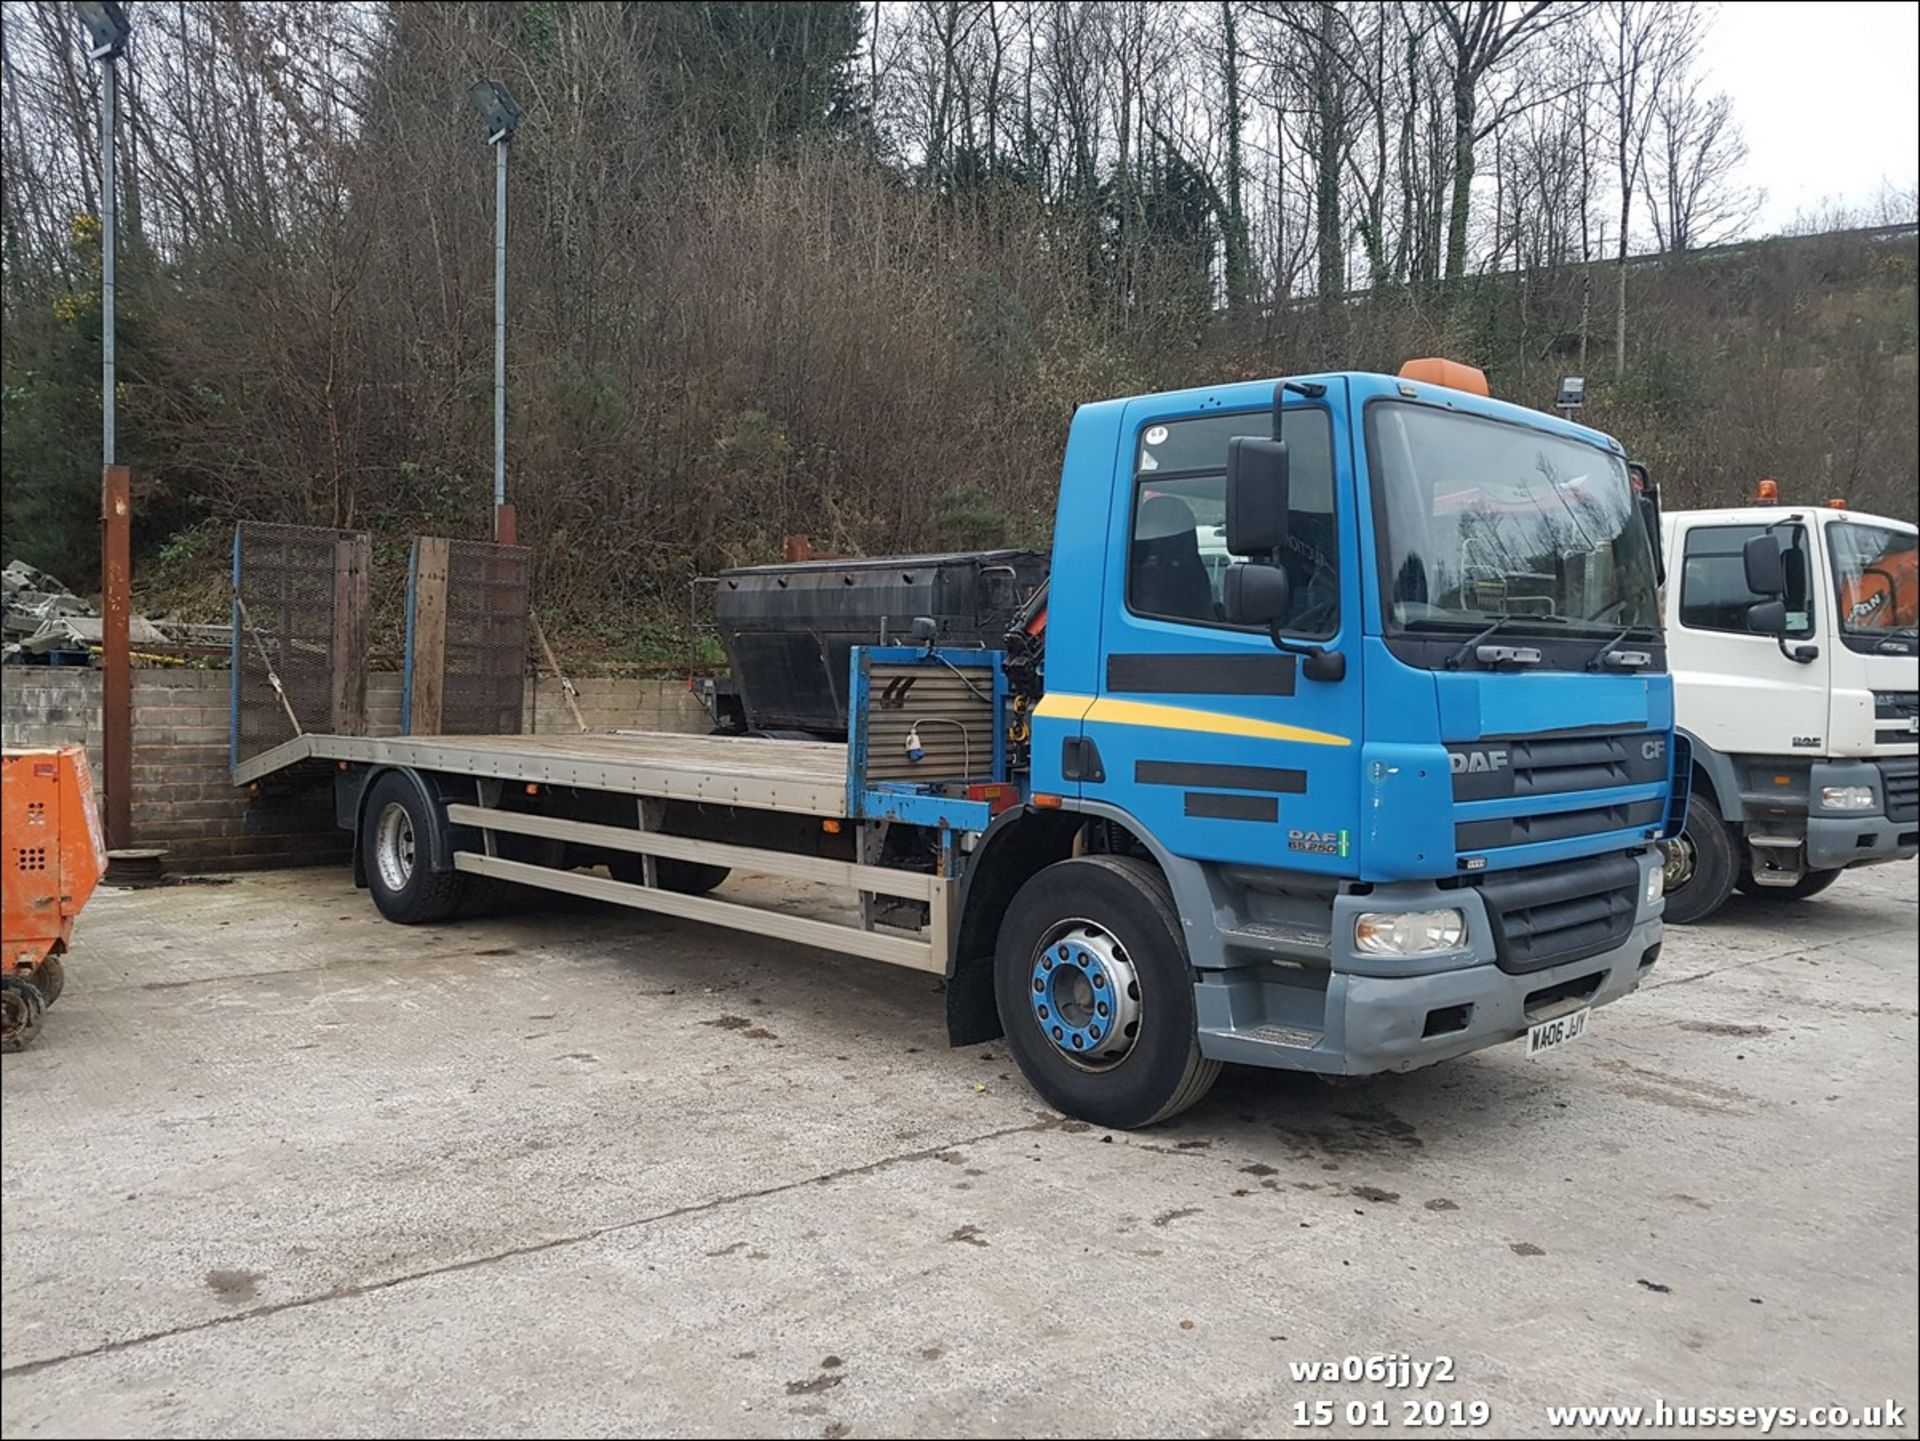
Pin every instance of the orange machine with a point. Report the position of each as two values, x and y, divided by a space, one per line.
53 854
1885 595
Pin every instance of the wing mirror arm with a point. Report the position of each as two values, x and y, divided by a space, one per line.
1261 593
1316 661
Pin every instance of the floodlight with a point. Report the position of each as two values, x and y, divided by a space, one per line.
496 107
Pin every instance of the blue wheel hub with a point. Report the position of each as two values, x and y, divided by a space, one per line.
1084 995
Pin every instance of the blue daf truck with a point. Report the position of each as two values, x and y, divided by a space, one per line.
1338 738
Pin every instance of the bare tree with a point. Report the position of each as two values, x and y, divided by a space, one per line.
1648 45
1482 39
1692 172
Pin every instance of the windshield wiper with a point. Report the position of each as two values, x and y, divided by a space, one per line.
1477 646
1625 659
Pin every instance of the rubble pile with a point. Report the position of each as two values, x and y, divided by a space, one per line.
44 623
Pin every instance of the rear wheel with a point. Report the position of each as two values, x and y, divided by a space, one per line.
1096 993
1808 886
22 1006
397 850
51 978
1700 865
689 878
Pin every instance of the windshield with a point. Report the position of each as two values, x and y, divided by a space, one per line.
1485 521
1877 589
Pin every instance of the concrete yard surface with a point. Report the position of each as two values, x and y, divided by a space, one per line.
277 1167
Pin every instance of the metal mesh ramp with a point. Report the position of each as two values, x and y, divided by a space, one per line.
299 634
467 606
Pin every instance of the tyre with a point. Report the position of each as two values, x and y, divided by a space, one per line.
480 896
22 1007
50 976
689 878
1096 994
1700 865
395 827
1807 887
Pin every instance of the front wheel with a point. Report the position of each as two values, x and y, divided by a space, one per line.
22 1007
1096 993
1700 865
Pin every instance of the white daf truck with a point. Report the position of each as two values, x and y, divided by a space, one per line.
1791 637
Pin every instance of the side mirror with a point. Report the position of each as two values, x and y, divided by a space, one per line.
1257 594
1765 566
1256 495
1646 497
1767 617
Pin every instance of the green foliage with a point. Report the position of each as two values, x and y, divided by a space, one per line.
1661 384
753 75
965 518
997 326
50 416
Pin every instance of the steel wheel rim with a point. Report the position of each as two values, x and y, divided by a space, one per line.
1678 862
393 846
16 1013
1083 993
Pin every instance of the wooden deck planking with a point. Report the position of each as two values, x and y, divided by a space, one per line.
806 777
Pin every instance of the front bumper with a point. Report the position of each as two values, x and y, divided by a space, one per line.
1837 840
1367 1014
1387 1021
1400 1023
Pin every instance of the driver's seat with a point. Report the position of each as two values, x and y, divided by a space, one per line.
1169 578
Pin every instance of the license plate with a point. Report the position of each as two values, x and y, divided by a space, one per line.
1557 1032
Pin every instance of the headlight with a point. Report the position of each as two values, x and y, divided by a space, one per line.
1847 798
1408 933
1656 883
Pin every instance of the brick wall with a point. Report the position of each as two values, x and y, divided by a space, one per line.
183 799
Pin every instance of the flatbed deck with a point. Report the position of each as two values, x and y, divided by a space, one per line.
801 777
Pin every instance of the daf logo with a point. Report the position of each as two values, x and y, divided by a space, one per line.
1477 762
1653 750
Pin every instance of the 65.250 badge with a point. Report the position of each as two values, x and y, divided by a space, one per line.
1320 843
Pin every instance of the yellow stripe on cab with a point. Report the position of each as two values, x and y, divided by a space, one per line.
1115 711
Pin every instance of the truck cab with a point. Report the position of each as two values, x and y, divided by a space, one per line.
1791 635
1390 718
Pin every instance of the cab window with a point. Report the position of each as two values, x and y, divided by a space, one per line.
1713 579
1177 556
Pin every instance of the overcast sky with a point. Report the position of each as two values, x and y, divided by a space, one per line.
1828 95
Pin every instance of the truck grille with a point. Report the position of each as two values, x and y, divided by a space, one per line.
1893 714
1553 765
1547 915
1520 830
1902 781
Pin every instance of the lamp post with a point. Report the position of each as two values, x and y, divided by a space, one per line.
497 108
107 31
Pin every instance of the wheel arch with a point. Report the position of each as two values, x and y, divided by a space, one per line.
1715 778
1015 847
1018 845
433 789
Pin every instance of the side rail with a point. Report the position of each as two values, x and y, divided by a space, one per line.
931 895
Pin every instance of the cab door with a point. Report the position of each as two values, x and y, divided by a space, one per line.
1737 691
1213 740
